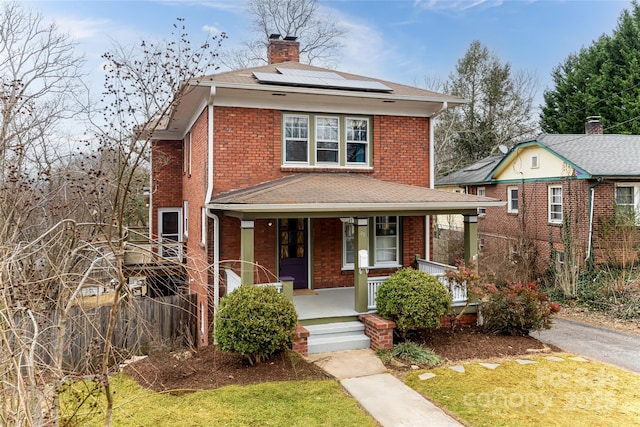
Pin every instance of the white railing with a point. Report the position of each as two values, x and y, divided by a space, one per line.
372 290
458 292
234 281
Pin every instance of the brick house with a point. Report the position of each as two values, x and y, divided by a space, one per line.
558 189
294 172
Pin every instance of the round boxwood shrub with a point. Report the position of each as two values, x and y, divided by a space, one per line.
256 322
413 299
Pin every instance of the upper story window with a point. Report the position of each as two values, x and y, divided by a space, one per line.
296 139
328 139
555 204
512 199
482 193
628 200
535 162
357 140
316 140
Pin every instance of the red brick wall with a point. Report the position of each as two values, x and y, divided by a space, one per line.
500 229
166 158
401 149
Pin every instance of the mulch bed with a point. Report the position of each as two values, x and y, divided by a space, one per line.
209 368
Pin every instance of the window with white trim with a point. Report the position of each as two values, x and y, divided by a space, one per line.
628 200
386 240
482 193
384 244
357 140
296 139
512 199
555 204
327 139
317 140
185 210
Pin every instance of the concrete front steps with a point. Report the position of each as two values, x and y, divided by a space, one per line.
339 336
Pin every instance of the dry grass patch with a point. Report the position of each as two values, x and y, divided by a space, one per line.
549 393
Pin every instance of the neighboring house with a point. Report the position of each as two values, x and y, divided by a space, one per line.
559 189
290 170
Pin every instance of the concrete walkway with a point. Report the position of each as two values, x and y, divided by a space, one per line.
605 345
386 398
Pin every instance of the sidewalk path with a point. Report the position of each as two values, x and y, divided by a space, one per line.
385 397
603 344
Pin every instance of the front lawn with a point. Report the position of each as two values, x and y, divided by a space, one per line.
545 393
294 403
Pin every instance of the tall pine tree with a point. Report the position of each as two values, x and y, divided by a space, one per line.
602 79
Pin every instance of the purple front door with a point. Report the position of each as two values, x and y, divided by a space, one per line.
293 248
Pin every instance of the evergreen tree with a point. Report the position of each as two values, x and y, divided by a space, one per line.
602 79
498 111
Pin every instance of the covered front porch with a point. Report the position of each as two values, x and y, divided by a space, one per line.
353 199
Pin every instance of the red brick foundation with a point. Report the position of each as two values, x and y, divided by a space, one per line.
300 344
379 330
467 319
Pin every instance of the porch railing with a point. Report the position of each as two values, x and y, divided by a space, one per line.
372 290
458 292
234 281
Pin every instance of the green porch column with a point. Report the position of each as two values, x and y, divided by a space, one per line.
246 251
360 271
470 238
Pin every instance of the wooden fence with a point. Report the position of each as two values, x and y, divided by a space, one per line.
141 324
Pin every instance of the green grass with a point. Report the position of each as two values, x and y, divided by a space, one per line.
296 403
545 394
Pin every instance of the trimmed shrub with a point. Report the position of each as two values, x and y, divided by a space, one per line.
256 322
517 309
413 299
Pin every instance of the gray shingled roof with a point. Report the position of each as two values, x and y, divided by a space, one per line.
471 174
598 155
246 77
343 191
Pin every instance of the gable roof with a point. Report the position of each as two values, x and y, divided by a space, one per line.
607 155
341 194
474 173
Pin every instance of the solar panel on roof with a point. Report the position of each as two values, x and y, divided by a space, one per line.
315 81
309 73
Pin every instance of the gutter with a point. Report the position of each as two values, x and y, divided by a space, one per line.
208 213
591 198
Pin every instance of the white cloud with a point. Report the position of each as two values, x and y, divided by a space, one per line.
81 29
211 29
460 5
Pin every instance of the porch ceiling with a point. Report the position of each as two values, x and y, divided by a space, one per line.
342 194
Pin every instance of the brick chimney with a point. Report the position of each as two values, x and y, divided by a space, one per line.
593 126
284 50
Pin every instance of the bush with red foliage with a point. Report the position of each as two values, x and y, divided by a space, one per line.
516 309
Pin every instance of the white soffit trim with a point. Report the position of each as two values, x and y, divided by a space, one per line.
364 207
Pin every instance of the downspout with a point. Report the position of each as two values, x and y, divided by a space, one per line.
214 217
432 177
591 199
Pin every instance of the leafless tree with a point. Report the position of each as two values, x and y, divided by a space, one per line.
319 34
65 214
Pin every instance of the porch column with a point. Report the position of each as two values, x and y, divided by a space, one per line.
360 271
246 251
470 238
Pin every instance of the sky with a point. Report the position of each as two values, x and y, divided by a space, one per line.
404 41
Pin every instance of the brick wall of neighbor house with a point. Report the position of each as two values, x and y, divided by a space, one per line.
499 230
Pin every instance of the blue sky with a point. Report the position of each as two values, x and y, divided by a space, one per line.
406 41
